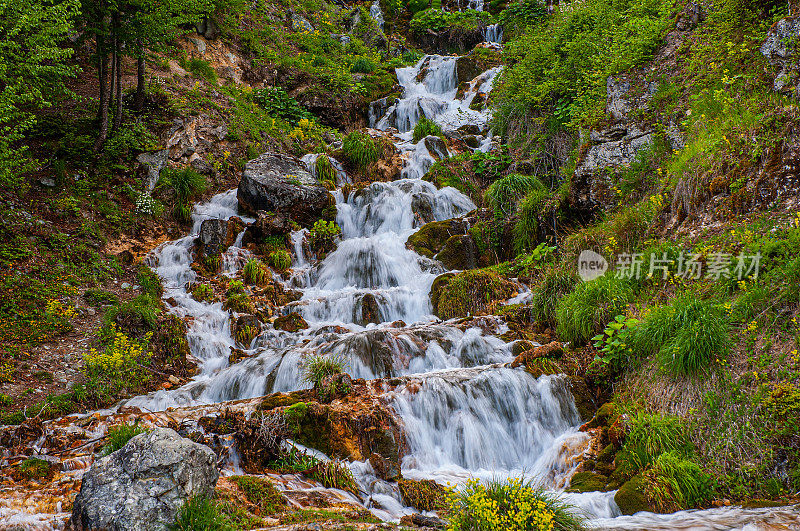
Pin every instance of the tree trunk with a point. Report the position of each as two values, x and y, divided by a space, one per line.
139 100
118 94
102 114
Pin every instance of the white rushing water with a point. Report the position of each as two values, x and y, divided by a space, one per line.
465 413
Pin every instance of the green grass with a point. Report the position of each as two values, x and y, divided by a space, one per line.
201 514
317 367
137 315
676 483
261 493
99 297
360 149
118 436
200 68
526 229
34 468
281 259
688 336
255 272
203 293
426 127
556 283
186 184
585 312
325 170
652 435
149 282
504 194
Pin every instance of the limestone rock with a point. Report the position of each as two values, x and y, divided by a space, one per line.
144 484
282 184
780 48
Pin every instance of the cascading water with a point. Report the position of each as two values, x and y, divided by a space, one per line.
465 413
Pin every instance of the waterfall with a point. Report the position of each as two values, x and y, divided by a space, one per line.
493 33
376 13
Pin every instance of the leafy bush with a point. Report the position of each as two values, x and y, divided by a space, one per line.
652 435
585 312
514 505
426 127
360 149
255 272
281 259
675 483
363 65
278 103
323 233
614 342
520 14
688 335
134 316
317 367
118 436
438 20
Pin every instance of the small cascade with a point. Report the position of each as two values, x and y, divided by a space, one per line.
493 33
376 13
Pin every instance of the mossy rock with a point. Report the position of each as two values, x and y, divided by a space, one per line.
584 401
521 346
631 497
759 503
603 416
473 292
423 495
432 237
459 252
290 323
608 453
440 283
587 482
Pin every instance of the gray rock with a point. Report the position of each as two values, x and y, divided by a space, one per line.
300 23
213 236
47 182
378 108
780 47
614 154
618 107
282 184
143 485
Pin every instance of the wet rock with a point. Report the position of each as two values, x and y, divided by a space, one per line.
370 311
521 346
631 497
144 484
290 323
584 399
431 238
384 468
378 108
154 162
282 184
422 206
459 252
422 495
780 48
213 236
436 147
587 482
335 386
552 350
267 224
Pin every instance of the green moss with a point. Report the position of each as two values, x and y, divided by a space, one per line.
33 468
430 239
261 493
424 495
468 293
631 497
587 482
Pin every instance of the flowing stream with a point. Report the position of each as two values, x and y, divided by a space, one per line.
466 414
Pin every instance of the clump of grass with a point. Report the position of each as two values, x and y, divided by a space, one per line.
423 495
255 272
585 312
237 299
34 468
359 149
362 65
503 194
675 483
324 170
136 315
688 335
526 229
200 68
317 367
201 513
203 293
510 504
118 436
553 286
149 282
261 493
333 474
426 127
281 260
99 297
186 183
245 334
652 435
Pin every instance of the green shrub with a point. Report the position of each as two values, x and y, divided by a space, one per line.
504 194
426 127
688 335
120 366
584 313
675 483
438 20
137 315
281 260
186 184
255 272
556 283
317 367
520 14
34 468
325 170
200 68
526 229
652 435
511 504
203 293
278 104
614 342
322 234
237 299
99 297
360 149
149 282
118 436
363 65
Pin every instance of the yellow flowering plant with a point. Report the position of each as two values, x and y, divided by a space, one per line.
121 365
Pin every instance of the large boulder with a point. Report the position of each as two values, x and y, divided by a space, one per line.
432 237
282 184
144 484
213 237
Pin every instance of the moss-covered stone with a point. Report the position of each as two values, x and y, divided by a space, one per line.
469 293
604 413
631 497
584 400
459 252
424 495
587 482
290 323
432 237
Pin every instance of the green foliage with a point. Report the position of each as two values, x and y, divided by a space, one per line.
360 150
281 260
118 436
333 474
33 69
127 141
99 297
237 299
200 68
261 493
514 505
324 170
295 413
317 367
277 102
426 127
363 65
203 293
139 314
470 293
504 194
563 62
585 312
34 468
613 343
255 272
676 483
652 435
526 229
323 232
149 282
186 184
520 14
120 366
554 284
688 335
201 513
438 20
